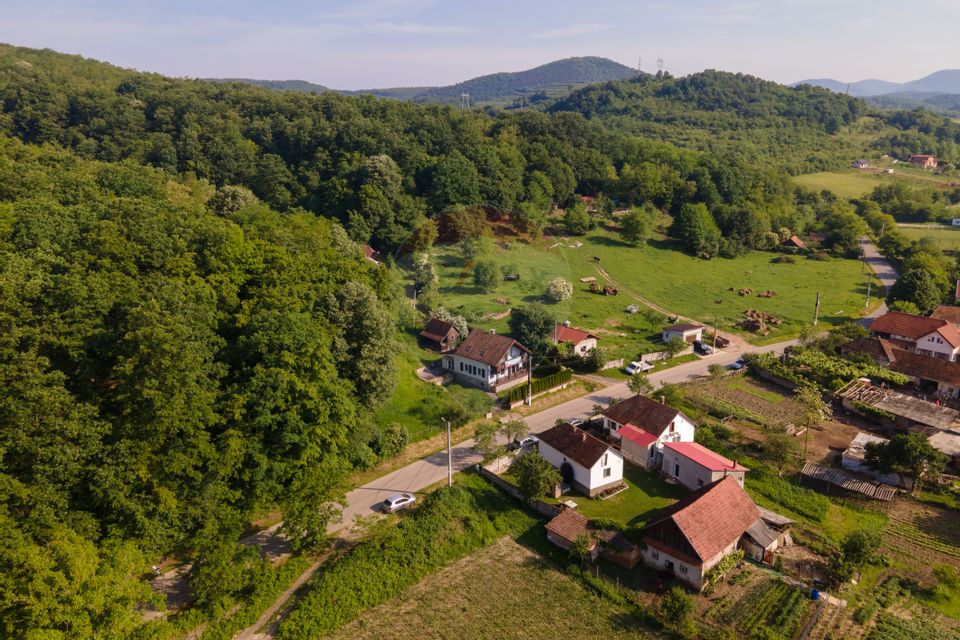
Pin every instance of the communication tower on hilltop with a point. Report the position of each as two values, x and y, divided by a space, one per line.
659 65
464 100
639 65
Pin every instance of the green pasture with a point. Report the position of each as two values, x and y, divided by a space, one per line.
947 237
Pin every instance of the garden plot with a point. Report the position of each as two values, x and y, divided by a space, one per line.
925 533
761 604
745 399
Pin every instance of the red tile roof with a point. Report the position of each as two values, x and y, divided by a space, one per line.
563 333
915 327
371 254
568 524
704 457
574 443
946 312
926 367
437 329
796 242
642 412
641 437
485 347
713 517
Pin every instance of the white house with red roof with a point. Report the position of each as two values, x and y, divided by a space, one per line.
586 463
643 425
488 361
695 466
686 331
582 342
935 337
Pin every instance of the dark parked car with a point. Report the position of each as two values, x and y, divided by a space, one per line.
702 348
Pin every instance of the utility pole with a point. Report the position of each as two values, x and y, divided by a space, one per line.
530 380
449 456
867 303
816 311
715 320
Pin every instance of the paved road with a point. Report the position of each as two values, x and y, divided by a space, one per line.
885 271
432 469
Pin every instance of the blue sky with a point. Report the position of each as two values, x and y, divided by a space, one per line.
379 43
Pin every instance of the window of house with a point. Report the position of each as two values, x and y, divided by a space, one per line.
606 472
605 456
671 427
683 569
656 556
676 470
699 483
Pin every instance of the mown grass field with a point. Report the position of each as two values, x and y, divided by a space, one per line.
948 238
847 183
665 276
502 591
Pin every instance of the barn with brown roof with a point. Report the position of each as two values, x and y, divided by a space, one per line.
488 361
440 335
698 531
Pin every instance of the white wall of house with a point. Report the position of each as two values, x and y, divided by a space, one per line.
606 471
479 372
691 474
935 345
689 335
662 561
609 468
641 456
585 346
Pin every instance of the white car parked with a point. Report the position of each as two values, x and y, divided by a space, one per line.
398 501
637 366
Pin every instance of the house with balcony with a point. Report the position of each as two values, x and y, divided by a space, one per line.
934 337
488 361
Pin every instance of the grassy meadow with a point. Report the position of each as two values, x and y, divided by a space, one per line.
947 237
706 290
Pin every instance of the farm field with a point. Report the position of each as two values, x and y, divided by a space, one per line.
502 591
947 237
663 275
856 183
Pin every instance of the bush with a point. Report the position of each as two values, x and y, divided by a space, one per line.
784 260
559 290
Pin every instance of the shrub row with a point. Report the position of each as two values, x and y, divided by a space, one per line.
541 384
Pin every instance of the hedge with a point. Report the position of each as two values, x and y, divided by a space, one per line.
518 393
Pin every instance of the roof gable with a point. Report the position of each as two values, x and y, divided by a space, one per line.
907 324
642 412
488 348
563 333
713 517
437 329
576 444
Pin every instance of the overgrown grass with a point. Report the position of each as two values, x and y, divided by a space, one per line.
451 523
420 406
946 237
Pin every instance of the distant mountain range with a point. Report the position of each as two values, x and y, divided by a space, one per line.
939 91
496 87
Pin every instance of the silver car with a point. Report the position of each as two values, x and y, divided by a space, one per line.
398 501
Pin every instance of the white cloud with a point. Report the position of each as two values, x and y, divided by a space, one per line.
572 30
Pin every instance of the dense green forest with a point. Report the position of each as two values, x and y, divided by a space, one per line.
174 359
380 167
734 114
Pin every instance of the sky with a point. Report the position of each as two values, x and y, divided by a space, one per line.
365 44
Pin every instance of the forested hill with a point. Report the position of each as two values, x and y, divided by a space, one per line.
495 87
726 112
378 166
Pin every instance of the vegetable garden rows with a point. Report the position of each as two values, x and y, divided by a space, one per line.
926 532
775 606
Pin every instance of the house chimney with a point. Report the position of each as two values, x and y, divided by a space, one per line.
663 399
